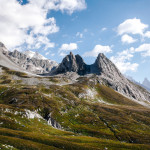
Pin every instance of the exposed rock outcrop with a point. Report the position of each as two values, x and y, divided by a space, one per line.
75 63
53 122
30 61
6 61
71 63
34 65
106 72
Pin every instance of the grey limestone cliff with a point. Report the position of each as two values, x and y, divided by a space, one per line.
33 65
107 73
38 66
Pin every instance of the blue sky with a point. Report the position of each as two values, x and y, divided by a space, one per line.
118 28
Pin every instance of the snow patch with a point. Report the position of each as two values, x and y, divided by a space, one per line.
36 55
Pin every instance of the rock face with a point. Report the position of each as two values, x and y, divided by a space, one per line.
30 61
104 66
3 48
144 84
71 63
106 73
53 123
75 63
34 65
6 61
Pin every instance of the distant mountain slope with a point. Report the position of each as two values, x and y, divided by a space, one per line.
140 84
5 61
56 114
31 61
106 72
146 83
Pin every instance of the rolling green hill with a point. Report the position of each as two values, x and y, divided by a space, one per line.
81 115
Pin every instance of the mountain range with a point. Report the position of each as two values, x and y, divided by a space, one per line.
145 84
30 61
106 72
71 105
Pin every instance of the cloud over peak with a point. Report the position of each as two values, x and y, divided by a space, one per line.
98 49
68 47
122 60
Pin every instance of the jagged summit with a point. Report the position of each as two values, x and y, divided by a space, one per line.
75 63
146 83
3 48
2 45
71 63
106 72
6 61
104 66
31 61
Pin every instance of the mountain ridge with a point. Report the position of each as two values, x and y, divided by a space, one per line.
98 109
32 62
146 83
104 70
107 73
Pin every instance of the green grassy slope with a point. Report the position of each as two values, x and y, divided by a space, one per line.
92 117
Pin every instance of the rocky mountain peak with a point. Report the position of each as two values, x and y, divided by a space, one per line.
101 55
75 63
146 80
104 66
36 55
3 49
146 83
68 64
28 60
2 45
71 63
71 54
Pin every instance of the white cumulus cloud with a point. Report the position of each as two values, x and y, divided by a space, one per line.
147 34
128 39
98 49
132 26
28 24
144 49
122 61
68 47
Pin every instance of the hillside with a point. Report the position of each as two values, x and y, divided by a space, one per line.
58 113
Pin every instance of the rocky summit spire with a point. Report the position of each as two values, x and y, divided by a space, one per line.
75 63
72 63
2 45
3 49
104 66
71 54
146 83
